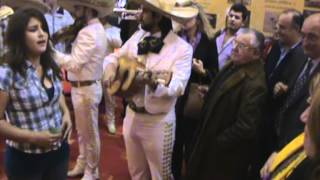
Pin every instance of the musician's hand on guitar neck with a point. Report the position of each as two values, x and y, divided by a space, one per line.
109 75
157 77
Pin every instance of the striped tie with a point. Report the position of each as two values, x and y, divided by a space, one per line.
300 83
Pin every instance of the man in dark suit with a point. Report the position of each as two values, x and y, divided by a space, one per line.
225 138
283 65
286 57
290 124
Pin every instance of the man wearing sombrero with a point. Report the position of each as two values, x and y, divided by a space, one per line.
84 66
16 4
149 123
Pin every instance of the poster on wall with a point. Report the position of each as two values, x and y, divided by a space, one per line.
245 2
312 3
308 12
264 13
270 21
272 9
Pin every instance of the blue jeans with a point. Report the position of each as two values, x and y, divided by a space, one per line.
52 165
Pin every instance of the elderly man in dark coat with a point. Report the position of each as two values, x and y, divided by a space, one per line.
226 137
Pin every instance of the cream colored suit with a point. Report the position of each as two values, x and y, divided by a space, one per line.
149 136
85 63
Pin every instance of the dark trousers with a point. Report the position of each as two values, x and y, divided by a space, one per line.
52 165
185 132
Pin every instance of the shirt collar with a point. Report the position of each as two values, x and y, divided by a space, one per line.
29 64
60 11
282 49
93 21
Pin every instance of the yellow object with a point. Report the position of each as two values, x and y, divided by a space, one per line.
294 147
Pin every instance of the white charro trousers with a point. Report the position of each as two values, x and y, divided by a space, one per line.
110 105
149 143
85 102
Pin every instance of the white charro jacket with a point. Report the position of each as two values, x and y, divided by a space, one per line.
175 56
88 50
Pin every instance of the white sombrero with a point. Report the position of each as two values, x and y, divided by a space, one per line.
37 4
171 9
103 7
5 11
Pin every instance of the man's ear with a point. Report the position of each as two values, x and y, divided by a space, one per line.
244 21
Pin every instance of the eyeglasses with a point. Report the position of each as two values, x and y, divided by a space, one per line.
241 45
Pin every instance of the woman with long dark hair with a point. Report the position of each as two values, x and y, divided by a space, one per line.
34 118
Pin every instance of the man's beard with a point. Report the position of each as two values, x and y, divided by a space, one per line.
147 27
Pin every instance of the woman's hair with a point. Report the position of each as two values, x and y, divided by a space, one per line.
16 40
204 23
313 124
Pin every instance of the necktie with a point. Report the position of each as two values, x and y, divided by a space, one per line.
299 85
150 44
302 80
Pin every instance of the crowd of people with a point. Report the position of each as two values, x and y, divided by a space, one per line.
200 104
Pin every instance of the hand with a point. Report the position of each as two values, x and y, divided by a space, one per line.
203 90
265 171
70 140
197 66
109 75
280 88
66 126
45 139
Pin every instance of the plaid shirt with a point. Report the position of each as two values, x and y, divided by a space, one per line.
29 106
3 28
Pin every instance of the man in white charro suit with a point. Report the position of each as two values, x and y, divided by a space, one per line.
149 123
84 66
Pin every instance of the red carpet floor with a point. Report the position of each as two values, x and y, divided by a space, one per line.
113 164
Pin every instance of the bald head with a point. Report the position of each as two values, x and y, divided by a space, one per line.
311 36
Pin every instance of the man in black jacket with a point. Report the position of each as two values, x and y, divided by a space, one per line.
283 65
225 138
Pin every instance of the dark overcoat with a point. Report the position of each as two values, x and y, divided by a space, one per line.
226 137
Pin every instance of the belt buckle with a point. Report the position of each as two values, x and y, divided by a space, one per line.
78 84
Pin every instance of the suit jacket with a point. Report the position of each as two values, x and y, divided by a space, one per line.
290 124
206 51
175 56
287 72
88 51
225 138
288 69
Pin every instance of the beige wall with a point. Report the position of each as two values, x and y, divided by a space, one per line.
263 12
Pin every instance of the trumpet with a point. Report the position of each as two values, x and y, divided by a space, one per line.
127 14
5 11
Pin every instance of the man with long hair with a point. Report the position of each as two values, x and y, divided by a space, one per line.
149 123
